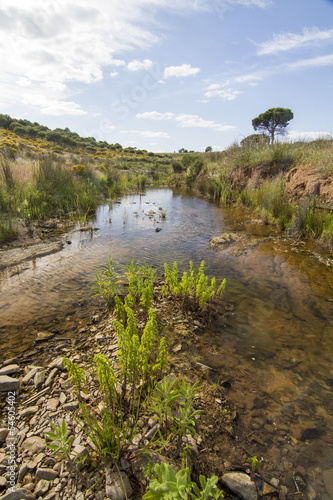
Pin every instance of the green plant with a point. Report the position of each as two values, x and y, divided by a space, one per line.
104 420
107 282
140 283
255 465
62 443
193 287
185 422
166 485
173 405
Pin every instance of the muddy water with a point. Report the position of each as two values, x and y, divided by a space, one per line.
274 346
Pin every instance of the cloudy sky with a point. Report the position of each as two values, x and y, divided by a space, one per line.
167 74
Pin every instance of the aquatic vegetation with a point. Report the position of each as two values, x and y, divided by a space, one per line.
107 283
192 288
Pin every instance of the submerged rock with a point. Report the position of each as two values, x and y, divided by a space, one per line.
241 484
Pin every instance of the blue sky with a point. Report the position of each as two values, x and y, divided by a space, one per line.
167 74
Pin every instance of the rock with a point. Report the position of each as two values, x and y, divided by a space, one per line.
117 485
240 484
3 481
39 379
8 370
42 336
22 472
34 444
52 404
41 487
57 363
275 482
49 379
20 494
31 410
31 373
10 361
192 445
62 398
328 481
3 435
47 474
80 454
33 463
8 383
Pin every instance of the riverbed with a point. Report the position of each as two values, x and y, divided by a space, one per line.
274 348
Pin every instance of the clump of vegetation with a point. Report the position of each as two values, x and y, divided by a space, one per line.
166 485
193 288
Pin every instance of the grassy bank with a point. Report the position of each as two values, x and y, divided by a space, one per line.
287 183
39 178
262 177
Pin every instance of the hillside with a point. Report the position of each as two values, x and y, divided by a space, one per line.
57 173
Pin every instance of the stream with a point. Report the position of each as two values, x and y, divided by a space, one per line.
275 345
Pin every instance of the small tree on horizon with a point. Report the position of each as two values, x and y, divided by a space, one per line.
274 121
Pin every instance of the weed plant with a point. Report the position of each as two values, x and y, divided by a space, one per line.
107 283
166 485
193 288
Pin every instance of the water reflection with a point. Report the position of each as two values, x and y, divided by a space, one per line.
276 345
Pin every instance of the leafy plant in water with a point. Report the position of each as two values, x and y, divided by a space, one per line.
255 465
192 287
140 283
107 282
166 485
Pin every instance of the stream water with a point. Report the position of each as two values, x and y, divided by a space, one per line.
275 347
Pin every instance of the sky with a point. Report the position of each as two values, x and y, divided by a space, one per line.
163 75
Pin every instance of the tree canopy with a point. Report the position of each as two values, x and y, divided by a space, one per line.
274 121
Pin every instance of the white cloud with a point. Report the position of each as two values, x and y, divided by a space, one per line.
295 135
53 106
147 133
184 71
139 65
155 115
311 62
185 120
114 73
288 41
215 90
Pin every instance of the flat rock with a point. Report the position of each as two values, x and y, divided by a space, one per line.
34 444
117 485
240 484
328 481
31 410
20 494
47 474
42 336
8 383
9 369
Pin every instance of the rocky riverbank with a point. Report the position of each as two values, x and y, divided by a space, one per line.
36 389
